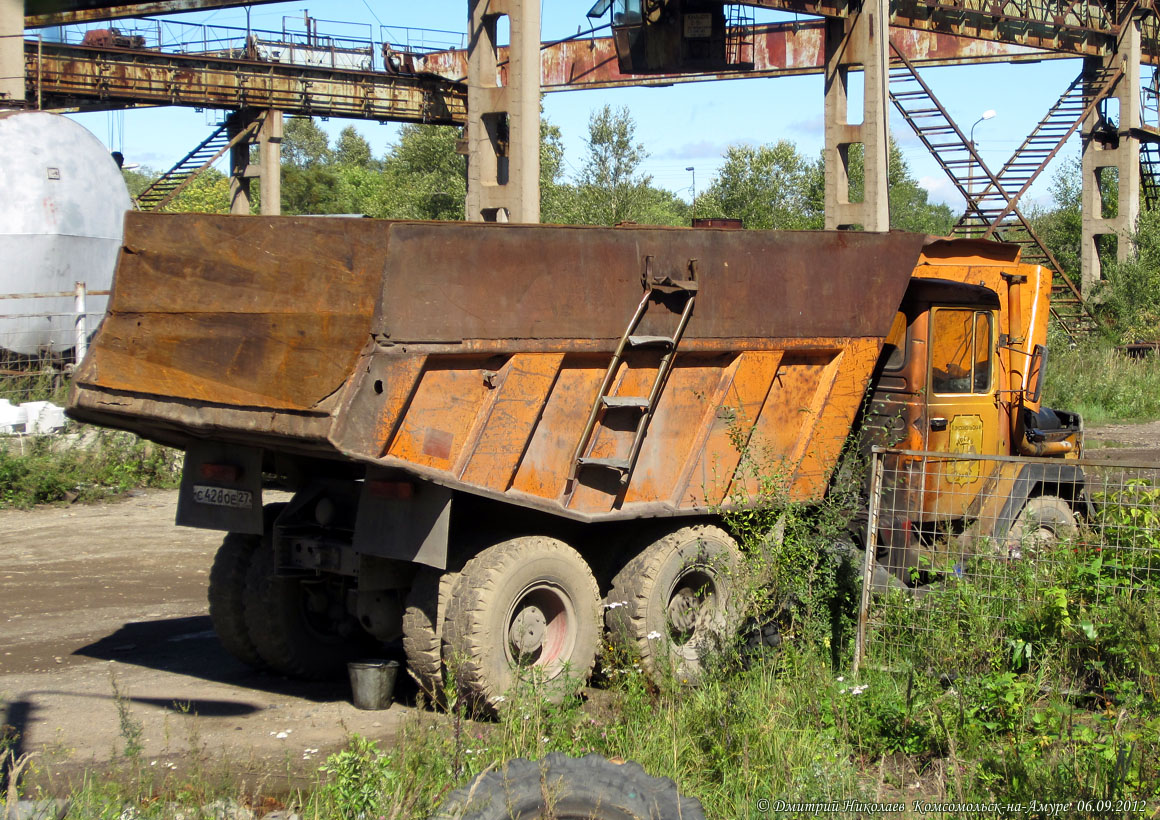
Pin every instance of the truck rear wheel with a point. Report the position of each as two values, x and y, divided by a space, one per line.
423 617
297 627
525 608
569 788
227 596
1043 522
677 600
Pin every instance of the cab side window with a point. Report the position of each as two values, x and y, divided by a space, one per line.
962 351
894 348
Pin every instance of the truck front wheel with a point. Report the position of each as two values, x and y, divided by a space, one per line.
677 600
1043 522
528 608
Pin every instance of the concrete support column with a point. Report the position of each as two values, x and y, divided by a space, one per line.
862 39
503 121
1104 150
270 162
11 53
268 170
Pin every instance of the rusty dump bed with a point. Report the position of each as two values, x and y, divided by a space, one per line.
473 355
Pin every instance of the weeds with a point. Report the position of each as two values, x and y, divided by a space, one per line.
88 466
130 728
1040 684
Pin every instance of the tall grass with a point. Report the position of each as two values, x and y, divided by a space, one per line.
1103 384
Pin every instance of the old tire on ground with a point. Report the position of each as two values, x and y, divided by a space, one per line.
568 788
676 601
227 596
1043 522
528 608
292 630
424 613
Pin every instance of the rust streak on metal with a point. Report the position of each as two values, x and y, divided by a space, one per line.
779 49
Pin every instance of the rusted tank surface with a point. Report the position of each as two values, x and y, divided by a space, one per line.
473 355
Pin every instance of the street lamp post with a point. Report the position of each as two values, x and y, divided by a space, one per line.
988 114
693 170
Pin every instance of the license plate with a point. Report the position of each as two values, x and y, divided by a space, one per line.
223 497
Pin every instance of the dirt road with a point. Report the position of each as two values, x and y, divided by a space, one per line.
96 600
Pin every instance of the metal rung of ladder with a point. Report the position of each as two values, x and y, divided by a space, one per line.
650 341
633 402
618 464
645 405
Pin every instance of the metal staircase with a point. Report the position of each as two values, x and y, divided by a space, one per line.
675 294
162 189
992 200
1150 174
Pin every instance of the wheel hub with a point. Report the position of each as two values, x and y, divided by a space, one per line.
526 633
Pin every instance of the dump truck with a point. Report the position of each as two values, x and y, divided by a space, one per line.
503 440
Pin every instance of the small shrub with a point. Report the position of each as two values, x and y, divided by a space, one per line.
88 466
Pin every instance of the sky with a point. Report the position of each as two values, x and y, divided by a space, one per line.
682 126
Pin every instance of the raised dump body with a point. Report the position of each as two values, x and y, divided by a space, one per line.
475 355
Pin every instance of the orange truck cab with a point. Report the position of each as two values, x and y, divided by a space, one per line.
961 373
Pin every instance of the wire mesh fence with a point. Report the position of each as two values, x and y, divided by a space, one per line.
978 556
42 337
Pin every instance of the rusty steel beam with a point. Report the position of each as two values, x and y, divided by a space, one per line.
77 76
781 49
39 13
1076 27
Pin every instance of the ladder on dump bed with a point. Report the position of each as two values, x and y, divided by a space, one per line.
656 288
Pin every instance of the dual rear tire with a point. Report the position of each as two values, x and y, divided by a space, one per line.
529 610
525 610
283 624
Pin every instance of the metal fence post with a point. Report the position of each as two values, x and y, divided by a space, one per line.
82 335
868 565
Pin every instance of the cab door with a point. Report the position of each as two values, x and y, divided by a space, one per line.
962 411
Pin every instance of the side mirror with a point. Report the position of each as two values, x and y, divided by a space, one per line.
1036 373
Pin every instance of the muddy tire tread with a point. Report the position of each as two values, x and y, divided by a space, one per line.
466 636
627 623
227 596
590 787
424 614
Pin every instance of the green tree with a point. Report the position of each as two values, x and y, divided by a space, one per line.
558 199
305 144
353 151
1127 300
1060 226
611 187
910 206
766 187
425 177
308 174
208 193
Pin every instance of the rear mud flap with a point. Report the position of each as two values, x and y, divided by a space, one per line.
221 488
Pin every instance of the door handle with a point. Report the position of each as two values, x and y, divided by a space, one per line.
938 424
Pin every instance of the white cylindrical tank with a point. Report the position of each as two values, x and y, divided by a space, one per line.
62 206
